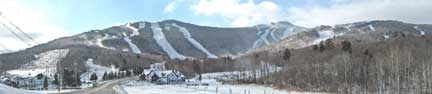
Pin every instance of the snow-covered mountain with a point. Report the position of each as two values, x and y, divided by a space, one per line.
142 43
359 32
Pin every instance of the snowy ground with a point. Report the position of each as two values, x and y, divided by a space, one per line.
4 89
139 87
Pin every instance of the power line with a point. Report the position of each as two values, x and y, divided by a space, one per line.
4 47
10 30
19 29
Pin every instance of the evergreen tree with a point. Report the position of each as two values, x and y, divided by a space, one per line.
346 46
104 77
128 73
286 54
93 77
142 77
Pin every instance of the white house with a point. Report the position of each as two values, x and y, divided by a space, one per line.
165 77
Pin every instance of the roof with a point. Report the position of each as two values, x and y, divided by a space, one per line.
165 72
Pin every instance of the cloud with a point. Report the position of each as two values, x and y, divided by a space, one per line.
32 21
348 11
240 13
170 7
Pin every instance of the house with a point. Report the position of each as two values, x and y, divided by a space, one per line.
165 77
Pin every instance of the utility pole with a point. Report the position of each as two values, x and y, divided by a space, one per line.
201 70
59 77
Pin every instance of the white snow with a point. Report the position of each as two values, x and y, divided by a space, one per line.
371 27
4 89
421 31
141 25
93 68
159 36
262 38
288 31
198 45
386 36
134 48
45 64
136 87
133 30
324 35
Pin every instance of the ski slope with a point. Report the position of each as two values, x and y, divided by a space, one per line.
194 42
132 29
371 27
262 38
324 35
45 63
93 68
421 31
159 36
132 46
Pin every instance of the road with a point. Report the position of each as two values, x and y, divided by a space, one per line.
109 87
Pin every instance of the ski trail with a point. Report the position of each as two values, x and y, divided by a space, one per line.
188 36
134 48
159 36
421 32
371 27
262 38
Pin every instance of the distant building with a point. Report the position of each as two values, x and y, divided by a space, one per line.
159 75
165 77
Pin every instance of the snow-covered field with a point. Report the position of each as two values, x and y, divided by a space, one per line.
159 36
45 64
4 89
139 87
188 36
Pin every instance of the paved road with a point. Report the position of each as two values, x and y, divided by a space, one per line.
109 87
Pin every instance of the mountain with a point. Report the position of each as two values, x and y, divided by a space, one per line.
143 43
359 32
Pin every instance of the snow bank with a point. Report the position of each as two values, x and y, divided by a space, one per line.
159 36
198 45
134 48
45 63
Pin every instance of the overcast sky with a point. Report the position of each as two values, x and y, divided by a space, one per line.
50 19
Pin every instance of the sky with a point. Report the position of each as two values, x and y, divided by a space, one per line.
46 20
